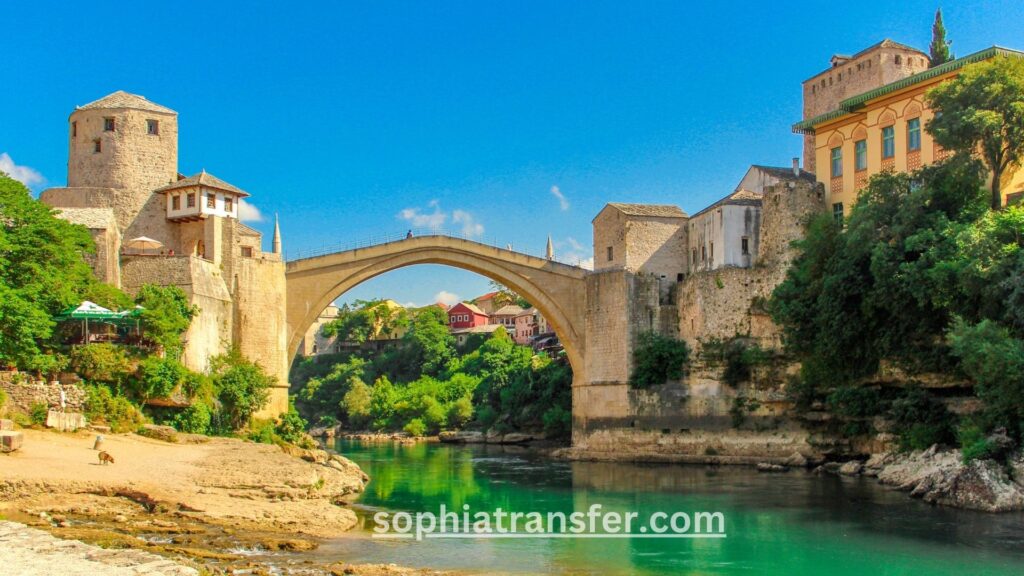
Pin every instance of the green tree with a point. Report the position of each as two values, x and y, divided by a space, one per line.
982 110
242 387
382 402
357 403
938 50
166 315
429 343
42 271
994 360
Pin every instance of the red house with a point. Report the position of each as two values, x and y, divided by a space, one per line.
466 315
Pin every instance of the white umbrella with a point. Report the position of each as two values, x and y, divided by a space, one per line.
144 243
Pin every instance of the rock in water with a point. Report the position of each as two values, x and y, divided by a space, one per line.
796 460
851 468
941 477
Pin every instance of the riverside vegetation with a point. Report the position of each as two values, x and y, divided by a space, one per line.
423 383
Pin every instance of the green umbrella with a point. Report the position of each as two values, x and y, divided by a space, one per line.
85 312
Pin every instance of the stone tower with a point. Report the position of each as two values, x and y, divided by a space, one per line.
126 144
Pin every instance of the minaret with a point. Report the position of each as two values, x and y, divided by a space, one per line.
551 249
277 235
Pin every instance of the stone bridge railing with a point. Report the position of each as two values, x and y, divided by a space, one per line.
388 238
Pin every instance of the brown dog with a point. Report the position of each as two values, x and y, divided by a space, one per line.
106 458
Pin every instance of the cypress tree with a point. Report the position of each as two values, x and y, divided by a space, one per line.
938 51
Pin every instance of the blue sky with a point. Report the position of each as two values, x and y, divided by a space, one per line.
343 117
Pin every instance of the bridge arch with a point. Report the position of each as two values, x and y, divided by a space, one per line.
556 290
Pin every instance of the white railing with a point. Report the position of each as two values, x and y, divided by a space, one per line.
388 238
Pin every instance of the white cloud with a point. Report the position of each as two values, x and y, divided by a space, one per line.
573 252
248 213
420 219
470 227
447 298
24 174
562 201
434 217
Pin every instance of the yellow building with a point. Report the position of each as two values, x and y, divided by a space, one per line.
883 129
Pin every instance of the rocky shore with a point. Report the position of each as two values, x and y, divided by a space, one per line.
214 504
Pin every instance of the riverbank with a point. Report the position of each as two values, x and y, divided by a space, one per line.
214 503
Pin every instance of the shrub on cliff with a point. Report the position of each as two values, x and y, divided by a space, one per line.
195 419
103 406
657 359
104 362
290 426
158 377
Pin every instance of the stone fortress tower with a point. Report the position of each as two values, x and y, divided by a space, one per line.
123 183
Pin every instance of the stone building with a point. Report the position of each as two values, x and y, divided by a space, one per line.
847 76
727 234
876 122
315 342
123 183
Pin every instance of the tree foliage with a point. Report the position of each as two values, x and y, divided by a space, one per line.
938 50
657 359
982 110
242 387
166 314
364 320
42 271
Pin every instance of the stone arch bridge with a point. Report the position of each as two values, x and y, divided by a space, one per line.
557 290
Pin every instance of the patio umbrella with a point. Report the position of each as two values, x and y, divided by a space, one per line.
85 312
144 243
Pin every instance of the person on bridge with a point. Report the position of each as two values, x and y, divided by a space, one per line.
408 234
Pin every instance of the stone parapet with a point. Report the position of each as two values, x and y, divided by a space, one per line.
23 392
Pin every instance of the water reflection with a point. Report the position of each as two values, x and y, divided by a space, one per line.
791 523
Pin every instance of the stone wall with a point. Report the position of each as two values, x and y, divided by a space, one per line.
23 391
260 323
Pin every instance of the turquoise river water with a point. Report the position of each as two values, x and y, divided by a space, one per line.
793 523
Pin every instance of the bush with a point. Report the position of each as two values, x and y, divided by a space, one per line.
740 357
242 388
657 360
855 402
557 422
994 360
102 406
291 427
974 445
415 427
3 400
37 413
158 377
195 419
460 412
261 431
434 415
487 416
105 363
921 420
741 407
